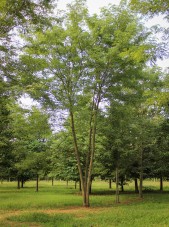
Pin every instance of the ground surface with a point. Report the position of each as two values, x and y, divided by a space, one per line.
60 206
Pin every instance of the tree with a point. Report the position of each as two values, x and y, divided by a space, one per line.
76 62
31 132
15 16
18 16
6 157
151 7
63 160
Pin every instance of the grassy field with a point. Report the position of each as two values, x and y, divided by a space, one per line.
61 205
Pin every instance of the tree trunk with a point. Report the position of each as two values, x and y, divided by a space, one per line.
117 185
110 186
67 183
86 180
136 185
18 180
161 184
122 186
37 183
77 156
141 185
52 181
90 190
80 186
141 174
22 183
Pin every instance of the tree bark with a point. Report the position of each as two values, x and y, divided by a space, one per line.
136 185
161 184
37 183
117 185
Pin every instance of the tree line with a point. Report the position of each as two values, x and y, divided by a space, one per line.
99 72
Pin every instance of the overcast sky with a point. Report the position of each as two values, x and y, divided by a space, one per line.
95 5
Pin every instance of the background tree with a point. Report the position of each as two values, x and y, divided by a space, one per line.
6 156
31 132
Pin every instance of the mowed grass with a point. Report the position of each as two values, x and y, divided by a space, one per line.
61 205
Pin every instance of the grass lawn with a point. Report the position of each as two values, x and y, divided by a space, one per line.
61 205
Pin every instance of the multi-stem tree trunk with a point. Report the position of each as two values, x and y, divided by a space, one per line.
86 177
76 149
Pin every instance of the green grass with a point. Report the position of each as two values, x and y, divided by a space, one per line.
62 206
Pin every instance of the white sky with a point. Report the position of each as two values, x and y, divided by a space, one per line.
93 5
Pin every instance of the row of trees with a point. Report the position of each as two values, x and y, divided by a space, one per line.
94 69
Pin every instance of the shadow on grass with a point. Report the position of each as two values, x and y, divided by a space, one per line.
113 192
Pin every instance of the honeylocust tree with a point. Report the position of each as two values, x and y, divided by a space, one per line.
72 66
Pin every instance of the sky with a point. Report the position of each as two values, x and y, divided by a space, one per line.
95 5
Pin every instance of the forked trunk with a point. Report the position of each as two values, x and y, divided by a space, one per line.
82 180
86 178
